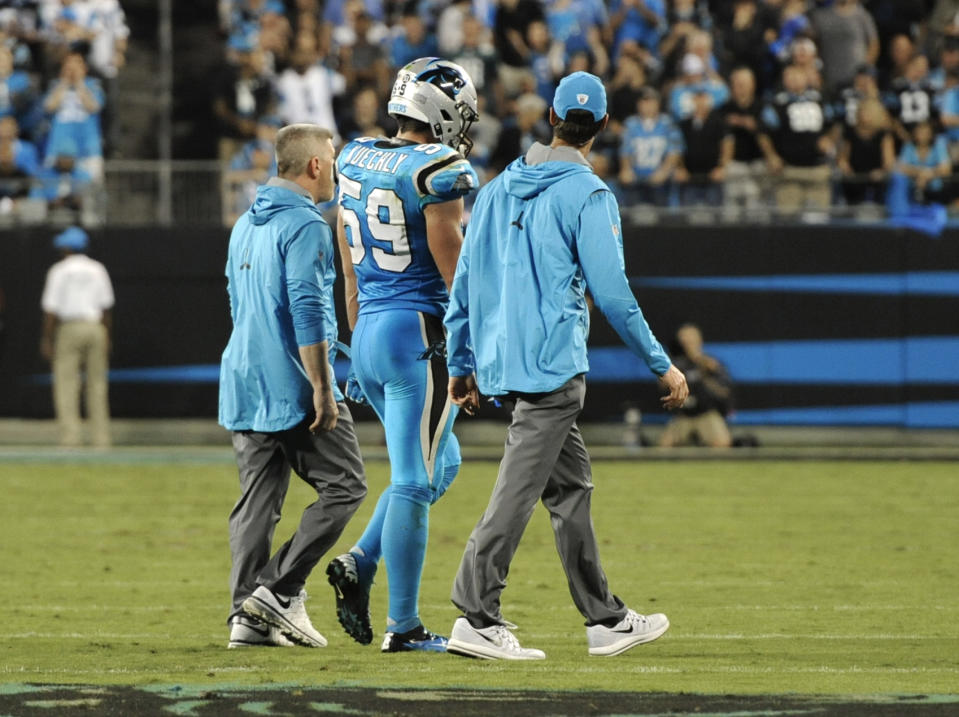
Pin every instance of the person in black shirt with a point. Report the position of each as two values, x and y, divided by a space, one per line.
701 173
911 99
513 18
796 143
867 155
744 164
702 419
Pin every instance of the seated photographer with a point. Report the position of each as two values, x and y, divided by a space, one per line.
701 420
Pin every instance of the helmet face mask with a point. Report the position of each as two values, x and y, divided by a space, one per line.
441 95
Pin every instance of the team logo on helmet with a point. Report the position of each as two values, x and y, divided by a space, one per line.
441 95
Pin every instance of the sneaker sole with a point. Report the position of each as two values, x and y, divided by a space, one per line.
431 646
468 649
356 624
239 644
256 607
620 647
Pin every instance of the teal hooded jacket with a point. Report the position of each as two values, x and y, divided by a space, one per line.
280 272
540 234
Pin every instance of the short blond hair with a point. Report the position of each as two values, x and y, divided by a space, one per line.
296 144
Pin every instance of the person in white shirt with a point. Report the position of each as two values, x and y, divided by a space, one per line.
77 317
306 90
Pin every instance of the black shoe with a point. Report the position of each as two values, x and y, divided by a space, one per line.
417 639
352 598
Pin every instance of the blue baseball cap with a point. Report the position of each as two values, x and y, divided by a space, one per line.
73 238
580 91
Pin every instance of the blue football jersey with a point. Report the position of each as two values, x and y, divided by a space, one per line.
384 186
647 143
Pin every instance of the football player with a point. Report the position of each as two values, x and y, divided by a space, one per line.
400 229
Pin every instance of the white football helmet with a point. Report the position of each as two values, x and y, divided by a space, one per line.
440 94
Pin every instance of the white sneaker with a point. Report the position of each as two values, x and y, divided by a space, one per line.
286 613
490 643
248 631
632 630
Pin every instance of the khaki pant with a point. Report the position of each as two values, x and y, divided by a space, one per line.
743 185
81 345
803 186
710 428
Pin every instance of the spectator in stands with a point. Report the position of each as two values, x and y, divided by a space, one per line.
804 55
911 99
791 23
863 87
477 56
867 155
19 162
922 170
702 419
363 60
274 37
450 33
640 23
707 149
510 29
796 143
847 38
65 185
893 17
241 95
695 77
943 22
624 90
485 134
520 133
685 20
743 39
579 25
308 88
250 167
68 31
949 113
651 150
107 57
364 119
108 46
412 41
547 60
900 51
73 104
16 89
948 63
745 169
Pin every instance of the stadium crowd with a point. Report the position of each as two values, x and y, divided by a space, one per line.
59 61
797 103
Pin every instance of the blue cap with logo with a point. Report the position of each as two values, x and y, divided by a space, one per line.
73 238
580 91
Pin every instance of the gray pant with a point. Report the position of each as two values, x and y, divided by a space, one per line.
330 463
545 459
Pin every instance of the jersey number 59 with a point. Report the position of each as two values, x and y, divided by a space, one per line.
385 222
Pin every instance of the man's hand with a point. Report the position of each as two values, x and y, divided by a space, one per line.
674 382
463 393
353 390
326 411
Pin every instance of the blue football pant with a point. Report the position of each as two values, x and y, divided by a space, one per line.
409 394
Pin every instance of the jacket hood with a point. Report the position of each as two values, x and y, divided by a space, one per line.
271 199
541 168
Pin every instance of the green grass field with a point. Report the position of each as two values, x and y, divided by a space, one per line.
802 577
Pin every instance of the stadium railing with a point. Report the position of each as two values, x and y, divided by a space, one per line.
202 192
